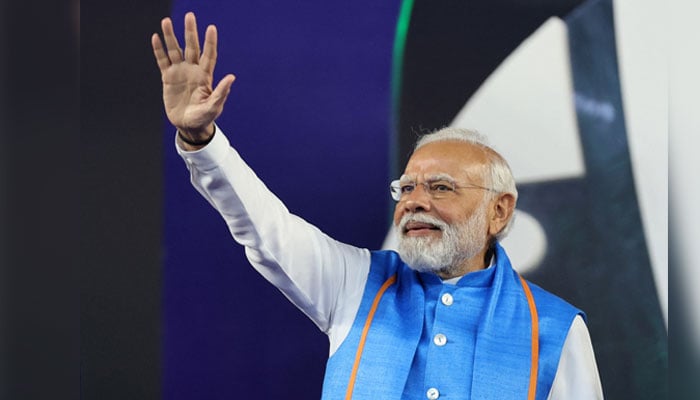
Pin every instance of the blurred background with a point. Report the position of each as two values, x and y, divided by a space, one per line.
590 101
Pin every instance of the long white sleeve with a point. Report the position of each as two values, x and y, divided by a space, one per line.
311 269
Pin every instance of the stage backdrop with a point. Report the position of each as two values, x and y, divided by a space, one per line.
329 97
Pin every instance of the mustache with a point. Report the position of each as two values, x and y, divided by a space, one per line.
420 218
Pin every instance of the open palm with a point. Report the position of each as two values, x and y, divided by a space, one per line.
191 103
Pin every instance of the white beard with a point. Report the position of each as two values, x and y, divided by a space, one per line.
445 255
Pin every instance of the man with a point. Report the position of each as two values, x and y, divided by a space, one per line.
448 318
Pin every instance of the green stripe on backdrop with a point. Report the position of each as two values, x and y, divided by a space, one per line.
402 25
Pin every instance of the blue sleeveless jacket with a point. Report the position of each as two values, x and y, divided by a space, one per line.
408 339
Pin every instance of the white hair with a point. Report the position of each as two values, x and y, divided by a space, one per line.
499 177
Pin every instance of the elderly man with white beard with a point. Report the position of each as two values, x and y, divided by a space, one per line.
446 317
462 241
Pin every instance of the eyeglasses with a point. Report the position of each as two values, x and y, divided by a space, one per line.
437 188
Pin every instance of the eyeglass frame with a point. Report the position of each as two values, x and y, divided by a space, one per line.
396 186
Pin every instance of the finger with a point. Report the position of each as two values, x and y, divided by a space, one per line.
208 60
173 48
191 39
158 50
220 93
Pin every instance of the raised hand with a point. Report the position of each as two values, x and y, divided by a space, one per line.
190 103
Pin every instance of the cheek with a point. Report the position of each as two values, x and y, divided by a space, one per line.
452 215
397 214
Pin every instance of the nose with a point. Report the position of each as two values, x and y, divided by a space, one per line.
416 201
410 203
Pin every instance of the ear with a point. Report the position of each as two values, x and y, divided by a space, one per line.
501 212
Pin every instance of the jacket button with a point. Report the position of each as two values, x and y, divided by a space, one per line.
447 299
432 394
440 339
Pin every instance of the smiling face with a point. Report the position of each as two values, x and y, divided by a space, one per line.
447 234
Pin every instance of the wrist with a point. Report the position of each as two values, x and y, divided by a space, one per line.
196 139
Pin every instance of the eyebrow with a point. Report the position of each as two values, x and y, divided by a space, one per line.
437 177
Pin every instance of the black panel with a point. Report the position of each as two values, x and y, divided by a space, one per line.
121 215
38 200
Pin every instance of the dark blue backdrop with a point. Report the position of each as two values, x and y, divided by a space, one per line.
310 112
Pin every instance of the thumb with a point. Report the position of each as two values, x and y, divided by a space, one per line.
220 93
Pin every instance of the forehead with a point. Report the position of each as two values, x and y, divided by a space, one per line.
459 159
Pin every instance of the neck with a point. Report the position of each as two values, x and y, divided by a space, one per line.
478 262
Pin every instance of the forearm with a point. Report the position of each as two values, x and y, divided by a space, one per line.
310 268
